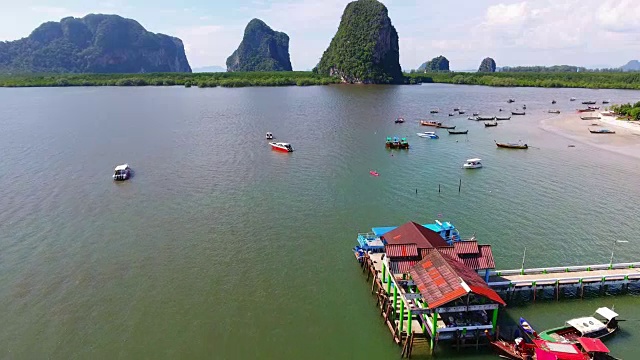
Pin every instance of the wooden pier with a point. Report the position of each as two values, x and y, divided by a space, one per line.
508 282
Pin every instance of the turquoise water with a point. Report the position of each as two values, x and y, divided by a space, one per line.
219 247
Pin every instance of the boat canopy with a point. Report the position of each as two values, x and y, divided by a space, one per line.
607 313
122 167
437 227
474 160
561 348
587 325
593 345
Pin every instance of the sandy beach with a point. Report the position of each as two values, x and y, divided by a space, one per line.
625 141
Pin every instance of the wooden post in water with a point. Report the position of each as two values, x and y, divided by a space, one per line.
460 186
438 188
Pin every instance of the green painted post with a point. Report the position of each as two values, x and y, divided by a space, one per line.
494 321
435 329
395 298
384 270
401 317
410 321
388 279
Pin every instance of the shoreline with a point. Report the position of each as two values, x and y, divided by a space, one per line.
626 140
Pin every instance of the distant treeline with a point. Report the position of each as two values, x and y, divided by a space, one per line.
230 79
614 80
594 80
555 69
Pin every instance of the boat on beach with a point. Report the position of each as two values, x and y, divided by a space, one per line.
518 145
601 324
461 132
554 111
430 123
602 131
491 124
122 172
518 113
428 134
281 146
586 110
503 117
590 117
474 163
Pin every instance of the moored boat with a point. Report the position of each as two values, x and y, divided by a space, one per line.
430 123
434 111
452 114
586 110
281 146
589 102
399 121
428 134
539 349
590 117
122 172
518 113
397 143
479 118
606 101
510 101
518 145
491 124
554 111
604 325
442 126
474 163
461 132
602 131
553 101
456 108
373 173
503 117
572 99
593 107
269 136
461 112
476 114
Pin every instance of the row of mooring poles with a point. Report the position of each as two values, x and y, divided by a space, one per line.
440 187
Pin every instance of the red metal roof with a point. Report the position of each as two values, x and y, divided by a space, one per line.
401 250
439 279
401 266
483 259
466 247
414 233
593 345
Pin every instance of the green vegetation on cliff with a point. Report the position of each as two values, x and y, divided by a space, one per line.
243 79
93 44
261 49
488 65
365 48
439 63
617 80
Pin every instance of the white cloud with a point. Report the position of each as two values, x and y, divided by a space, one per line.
619 15
55 12
509 15
209 44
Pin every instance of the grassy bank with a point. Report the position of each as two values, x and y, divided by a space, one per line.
239 79
548 80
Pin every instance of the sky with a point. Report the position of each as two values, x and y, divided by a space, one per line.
590 33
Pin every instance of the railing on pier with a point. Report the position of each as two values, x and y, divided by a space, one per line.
565 269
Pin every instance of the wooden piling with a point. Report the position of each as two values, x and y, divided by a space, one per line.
460 185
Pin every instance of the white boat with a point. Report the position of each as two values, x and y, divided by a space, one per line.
473 164
572 99
269 136
280 146
122 172
428 134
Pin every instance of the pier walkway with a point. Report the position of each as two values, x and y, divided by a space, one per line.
561 277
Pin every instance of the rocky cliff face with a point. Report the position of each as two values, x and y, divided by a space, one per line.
487 65
439 63
93 44
261 49
365 48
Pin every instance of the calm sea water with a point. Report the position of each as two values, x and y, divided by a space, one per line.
221 248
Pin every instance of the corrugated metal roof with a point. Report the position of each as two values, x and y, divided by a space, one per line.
401 250
414 233
401 266
486 258
439 278
481 260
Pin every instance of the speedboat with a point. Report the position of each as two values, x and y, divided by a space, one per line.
428 134
122 172
269 136
280 146
605 324
374 173
473 164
